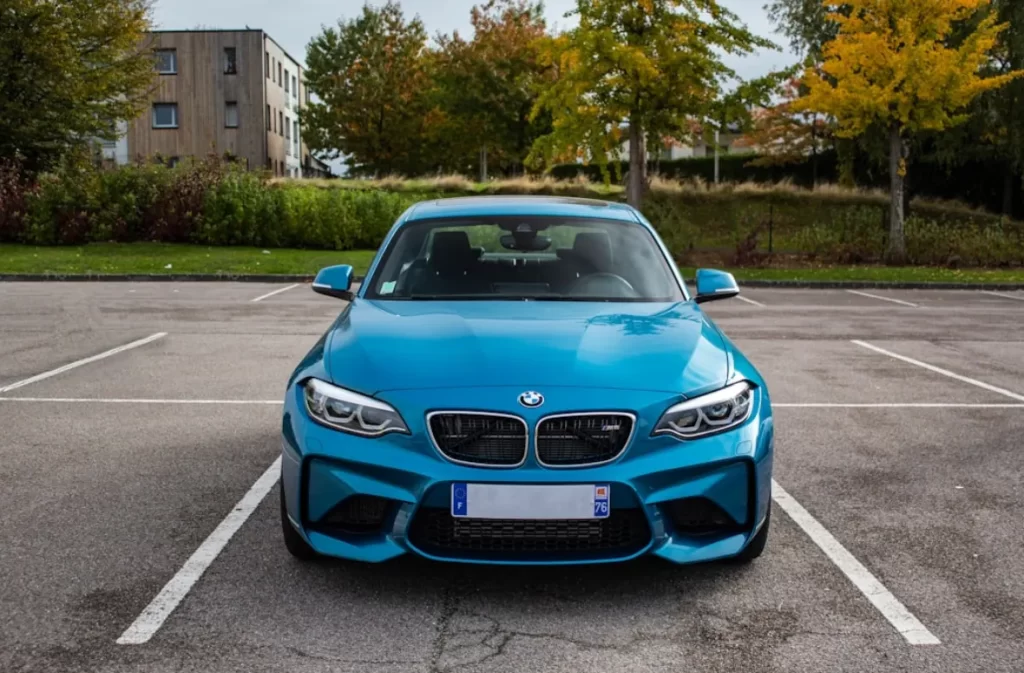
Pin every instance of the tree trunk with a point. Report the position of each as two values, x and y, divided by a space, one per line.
637 165
896 253
1009 185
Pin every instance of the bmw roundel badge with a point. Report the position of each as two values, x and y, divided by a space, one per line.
531 399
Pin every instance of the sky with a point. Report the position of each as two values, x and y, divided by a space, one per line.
293 22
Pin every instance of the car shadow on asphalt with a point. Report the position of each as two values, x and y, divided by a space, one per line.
568 582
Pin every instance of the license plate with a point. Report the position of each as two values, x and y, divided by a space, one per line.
530 501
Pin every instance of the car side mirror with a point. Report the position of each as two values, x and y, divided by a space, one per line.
713 285
334 281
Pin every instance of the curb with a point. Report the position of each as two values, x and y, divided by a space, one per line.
869 284
302 278
157 277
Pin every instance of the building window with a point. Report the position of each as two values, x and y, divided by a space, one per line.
280 122
307 95
269 117
279 75
230 61
231 115
286 81
295 86
173 161
266 67
295 137
167 61
165 115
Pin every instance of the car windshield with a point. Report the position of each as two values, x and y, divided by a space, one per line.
541 258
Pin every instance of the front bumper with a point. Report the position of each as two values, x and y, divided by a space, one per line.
660 486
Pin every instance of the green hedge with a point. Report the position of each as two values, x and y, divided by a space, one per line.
214 203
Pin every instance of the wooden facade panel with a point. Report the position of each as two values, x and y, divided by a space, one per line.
201 89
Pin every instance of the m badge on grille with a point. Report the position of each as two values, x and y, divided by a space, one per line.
531 399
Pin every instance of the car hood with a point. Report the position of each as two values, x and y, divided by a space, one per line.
377 346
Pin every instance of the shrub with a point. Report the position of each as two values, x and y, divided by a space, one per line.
58 211
240 209
15 192
129 202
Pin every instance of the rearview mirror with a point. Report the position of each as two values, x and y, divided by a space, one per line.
713 285
334 281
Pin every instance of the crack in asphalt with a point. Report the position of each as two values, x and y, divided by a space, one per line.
470 638
346 660
449 605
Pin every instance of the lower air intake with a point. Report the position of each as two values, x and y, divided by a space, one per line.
700 516
623 533
358 514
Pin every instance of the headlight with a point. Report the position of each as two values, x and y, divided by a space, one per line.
708 414
351 412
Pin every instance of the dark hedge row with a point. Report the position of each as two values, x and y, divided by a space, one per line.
983 184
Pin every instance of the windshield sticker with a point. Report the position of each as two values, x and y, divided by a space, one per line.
388 287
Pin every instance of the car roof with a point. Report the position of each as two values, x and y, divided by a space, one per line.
562 206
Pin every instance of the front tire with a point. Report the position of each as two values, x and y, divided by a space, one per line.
756 546
296 546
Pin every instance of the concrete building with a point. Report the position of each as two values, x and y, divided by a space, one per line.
233 92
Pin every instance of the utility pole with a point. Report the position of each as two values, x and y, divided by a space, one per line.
483 164
716 155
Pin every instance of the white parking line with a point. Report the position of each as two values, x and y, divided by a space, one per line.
83 361
1004 295
889 299
277 291
129 400
750 301
944 372
161 607
904 622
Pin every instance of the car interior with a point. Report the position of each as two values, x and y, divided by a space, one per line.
452 265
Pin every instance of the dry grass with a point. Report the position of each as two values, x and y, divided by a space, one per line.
694 188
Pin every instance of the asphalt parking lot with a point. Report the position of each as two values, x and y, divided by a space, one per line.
136 417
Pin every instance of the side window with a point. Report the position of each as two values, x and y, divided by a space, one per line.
167 61
231 115
230 61
165 115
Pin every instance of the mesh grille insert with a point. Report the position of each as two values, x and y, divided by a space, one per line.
481 439
623 533
582 439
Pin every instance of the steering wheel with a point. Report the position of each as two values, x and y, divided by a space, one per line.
603 285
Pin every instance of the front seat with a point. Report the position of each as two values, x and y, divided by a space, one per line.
453 267
592 251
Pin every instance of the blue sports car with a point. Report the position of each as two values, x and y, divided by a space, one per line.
525 380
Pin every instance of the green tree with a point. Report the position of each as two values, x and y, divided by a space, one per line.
69 72
995 131
892 64
371 80
807 23
649 66
486 87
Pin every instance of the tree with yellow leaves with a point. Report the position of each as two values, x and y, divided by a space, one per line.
894 64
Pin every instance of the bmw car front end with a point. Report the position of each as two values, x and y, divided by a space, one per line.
527 421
